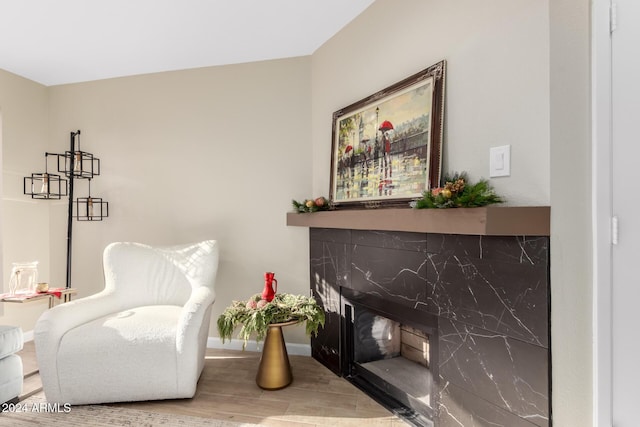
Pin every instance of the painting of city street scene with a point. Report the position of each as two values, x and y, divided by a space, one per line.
387 148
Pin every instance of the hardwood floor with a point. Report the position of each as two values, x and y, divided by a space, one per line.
227 390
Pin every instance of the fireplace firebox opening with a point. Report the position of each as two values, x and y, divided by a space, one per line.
389 353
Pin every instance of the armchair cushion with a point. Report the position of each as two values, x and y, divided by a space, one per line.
136 347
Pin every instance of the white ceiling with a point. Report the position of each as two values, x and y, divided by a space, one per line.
67 41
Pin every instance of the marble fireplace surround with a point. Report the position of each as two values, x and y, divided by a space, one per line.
482 272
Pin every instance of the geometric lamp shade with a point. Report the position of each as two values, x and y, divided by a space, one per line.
91 209
45 186
84 164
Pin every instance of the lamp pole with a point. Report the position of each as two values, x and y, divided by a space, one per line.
72 158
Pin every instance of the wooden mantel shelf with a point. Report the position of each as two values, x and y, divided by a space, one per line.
485 221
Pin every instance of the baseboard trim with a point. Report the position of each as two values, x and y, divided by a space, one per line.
27 336
235 344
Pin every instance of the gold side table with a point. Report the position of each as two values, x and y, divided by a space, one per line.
274 371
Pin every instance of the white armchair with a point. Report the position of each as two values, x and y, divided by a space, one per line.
142 338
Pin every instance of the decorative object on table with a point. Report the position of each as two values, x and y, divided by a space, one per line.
312 205
269 291
75 164
256 314
387 148
458 192
24 276
42 287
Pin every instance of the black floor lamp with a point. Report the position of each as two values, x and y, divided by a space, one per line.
74 164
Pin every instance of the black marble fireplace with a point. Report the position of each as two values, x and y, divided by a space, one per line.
475 309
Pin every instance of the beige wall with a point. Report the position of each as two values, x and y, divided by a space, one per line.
497 88
571 242
188 155
206 153
25 222
518 74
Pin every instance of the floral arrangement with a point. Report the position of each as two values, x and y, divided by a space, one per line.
457 192
312 205
256 314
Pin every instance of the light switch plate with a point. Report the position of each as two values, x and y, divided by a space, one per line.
500 161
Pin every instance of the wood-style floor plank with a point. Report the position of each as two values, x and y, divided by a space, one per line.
227 391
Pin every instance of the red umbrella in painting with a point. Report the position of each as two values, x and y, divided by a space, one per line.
349 148
385 126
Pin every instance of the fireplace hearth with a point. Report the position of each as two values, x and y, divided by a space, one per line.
474 311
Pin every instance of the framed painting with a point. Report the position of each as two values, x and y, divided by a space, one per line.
386 149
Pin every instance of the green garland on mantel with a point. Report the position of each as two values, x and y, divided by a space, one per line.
255 315
312 205
457 192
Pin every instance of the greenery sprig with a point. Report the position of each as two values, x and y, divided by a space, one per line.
255 316
312 205
459 193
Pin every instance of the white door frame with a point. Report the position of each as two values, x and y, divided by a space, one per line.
602 211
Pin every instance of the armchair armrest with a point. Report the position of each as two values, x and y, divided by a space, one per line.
192 315
53 323
192 333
